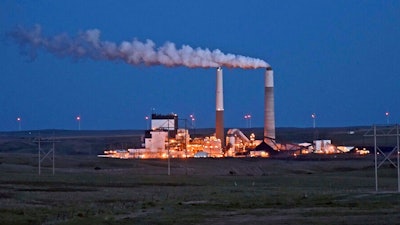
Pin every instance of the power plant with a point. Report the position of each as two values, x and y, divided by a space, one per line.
166 140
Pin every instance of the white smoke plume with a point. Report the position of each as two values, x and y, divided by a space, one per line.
87 44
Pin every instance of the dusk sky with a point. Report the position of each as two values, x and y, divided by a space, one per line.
338 59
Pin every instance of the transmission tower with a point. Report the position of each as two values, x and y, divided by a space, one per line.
379 132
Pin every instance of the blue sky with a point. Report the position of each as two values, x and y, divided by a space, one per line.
338 59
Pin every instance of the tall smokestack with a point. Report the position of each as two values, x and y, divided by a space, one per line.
269 111
219 104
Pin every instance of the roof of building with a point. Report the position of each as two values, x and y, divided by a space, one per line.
264 147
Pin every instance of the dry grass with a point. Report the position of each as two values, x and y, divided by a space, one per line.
199 191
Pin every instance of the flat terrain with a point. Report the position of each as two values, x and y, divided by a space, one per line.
92 142
90 190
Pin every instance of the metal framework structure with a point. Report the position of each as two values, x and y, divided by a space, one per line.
169 156
45 152
385 131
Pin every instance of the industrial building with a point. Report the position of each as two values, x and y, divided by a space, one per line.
166 139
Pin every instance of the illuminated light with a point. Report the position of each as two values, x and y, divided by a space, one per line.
363 151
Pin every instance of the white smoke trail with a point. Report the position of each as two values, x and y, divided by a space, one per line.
87 44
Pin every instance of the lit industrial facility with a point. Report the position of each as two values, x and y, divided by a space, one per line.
166 140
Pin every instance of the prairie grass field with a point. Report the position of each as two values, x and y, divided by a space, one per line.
91 190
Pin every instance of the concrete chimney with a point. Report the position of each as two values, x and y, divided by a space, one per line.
269 111
219 104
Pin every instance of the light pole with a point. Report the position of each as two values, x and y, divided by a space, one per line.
78 119
193 119
19 123
193 123
147 122
247 118
387 117
313 116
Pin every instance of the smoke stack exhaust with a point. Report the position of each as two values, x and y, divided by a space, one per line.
88 44
269 111
219 106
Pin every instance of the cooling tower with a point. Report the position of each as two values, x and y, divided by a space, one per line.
219 104
269 111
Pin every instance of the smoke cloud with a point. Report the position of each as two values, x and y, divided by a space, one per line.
88 44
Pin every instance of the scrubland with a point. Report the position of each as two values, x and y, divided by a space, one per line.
90 190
